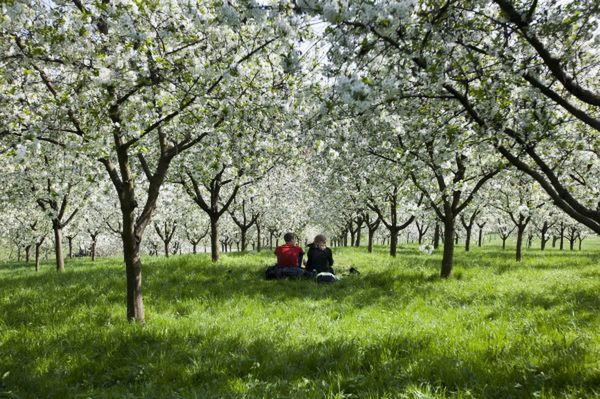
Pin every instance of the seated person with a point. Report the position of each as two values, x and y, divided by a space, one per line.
289 254
320 257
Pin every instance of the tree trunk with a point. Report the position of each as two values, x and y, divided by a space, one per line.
393 242
37 255
436 236
448 256
562 237
244 244
480 238
358 232
70 241
258 242
27 252
58 249
131 256
468 238
166 246
214 239
543 242
352 237
194 248
504 242
370 244
519 252
93 250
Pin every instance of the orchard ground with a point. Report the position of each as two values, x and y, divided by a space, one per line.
497 328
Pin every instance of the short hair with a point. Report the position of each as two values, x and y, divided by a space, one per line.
287 237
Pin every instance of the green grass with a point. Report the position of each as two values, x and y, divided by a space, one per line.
497 329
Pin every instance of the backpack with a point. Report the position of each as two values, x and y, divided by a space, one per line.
326 277
276 272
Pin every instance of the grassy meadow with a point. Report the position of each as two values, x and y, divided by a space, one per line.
496 329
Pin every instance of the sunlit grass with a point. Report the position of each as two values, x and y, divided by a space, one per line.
496 329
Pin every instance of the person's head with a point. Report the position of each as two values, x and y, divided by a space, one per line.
320 241
289 238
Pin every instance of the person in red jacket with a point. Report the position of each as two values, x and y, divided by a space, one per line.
289 254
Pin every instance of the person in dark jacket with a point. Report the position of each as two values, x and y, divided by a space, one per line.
319 256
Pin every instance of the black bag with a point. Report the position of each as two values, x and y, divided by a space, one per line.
276 272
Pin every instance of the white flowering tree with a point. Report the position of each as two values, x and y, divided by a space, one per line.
516 195
491 58
55 180
128 82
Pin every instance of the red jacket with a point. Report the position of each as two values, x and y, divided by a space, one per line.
288 255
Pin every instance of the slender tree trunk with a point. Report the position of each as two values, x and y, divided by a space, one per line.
258 242
468 238
448 256
58 249
214 239
70 241
370 244
393 242
358 232
37 255
554 239
543 240
93 250
562 237
436 236
194 248
243 239
519 252
352 237
27 252
166 246
480 238
504 242
133 263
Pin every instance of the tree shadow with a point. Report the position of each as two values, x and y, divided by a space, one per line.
147 362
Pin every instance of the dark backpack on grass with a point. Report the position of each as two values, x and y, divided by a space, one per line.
276 272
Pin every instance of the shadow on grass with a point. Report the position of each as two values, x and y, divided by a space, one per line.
96 355
195 278
205 363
